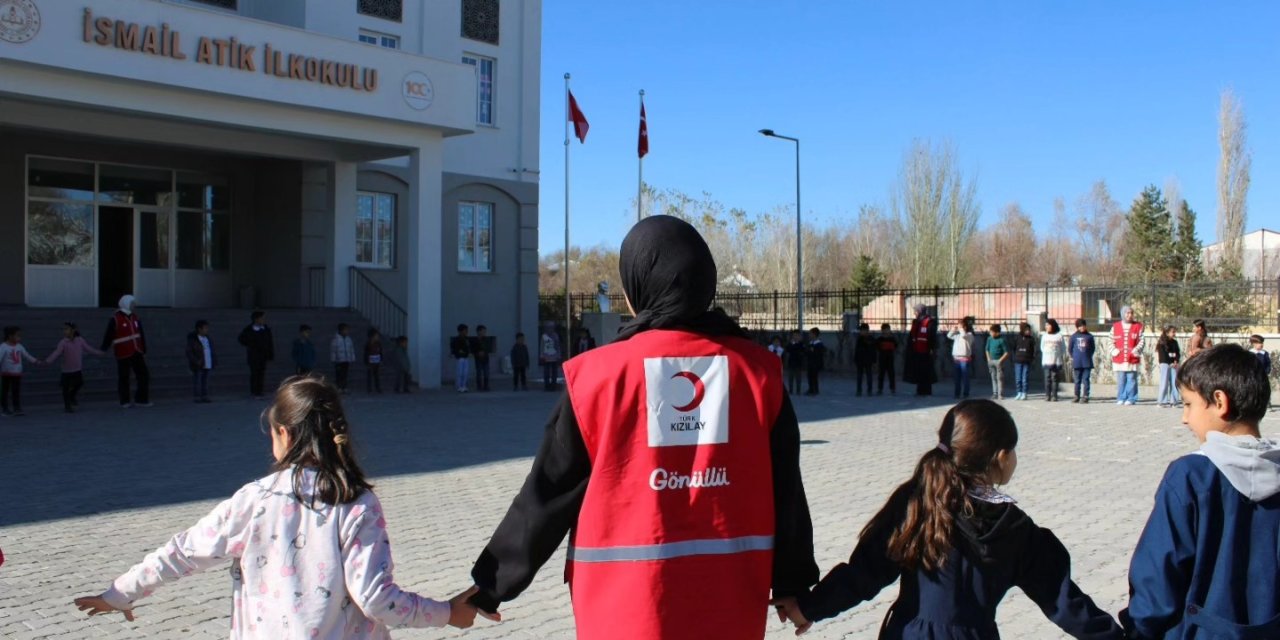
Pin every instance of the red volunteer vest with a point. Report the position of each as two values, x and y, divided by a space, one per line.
675 537
920 334
128 339
1125 342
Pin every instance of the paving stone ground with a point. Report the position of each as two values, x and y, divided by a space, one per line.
84 496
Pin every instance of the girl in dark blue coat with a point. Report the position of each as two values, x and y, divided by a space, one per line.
958 545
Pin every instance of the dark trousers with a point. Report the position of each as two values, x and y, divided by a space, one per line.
257 374
549 375
138 364
373 378
813 381
10 392
886 369
519 378
340 372
71 383
200 383
402 381
1052 373
793 381
1082 381
861 372
482 374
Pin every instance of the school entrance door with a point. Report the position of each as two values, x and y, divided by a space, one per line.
135 252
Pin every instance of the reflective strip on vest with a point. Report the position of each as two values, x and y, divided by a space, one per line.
669 550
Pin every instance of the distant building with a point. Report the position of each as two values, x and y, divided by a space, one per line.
282 153
1261 254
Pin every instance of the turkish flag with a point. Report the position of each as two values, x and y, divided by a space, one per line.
644 133
579 121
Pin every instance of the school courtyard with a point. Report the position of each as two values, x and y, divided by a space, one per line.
87 495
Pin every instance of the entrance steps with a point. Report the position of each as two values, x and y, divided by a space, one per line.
166 331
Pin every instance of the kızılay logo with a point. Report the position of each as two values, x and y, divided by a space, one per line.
417 90
687 399
19 20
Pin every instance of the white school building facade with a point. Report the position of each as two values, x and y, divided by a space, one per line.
278 154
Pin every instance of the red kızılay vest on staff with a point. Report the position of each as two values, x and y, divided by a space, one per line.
920 334
675 537
1124 342
128 340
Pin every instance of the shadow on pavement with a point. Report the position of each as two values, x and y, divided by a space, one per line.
55 465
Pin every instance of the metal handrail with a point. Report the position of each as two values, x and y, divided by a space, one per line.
384 313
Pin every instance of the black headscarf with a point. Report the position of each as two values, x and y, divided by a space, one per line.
669 277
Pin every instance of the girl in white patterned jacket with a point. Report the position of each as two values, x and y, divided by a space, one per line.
308 545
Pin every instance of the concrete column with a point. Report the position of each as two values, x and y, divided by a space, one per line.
342 251
423 261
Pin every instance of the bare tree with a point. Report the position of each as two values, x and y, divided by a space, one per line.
935 207
1233 182
1012 247
1100 230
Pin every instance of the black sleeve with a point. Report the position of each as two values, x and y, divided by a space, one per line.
109 336
1045 576
794 569
868 571
539 517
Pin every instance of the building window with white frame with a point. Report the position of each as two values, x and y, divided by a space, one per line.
475 236
375 229
379 39
484 86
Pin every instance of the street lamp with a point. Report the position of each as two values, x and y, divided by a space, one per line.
799 249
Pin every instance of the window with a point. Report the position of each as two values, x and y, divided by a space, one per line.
204 223
60 226
475 236
484 87
385 9
480 20
380 39
375 229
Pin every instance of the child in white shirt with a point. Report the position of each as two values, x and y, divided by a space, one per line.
308 545
1053 349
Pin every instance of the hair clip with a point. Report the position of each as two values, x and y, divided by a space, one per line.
942 446
340 439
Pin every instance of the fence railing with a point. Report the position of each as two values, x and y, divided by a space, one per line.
373 303
1233 306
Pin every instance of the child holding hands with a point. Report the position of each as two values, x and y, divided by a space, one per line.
958 544
308 545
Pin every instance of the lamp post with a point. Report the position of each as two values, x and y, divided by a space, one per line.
799 247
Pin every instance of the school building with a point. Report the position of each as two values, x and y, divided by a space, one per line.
374 154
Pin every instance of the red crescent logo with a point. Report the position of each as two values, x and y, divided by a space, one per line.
699 390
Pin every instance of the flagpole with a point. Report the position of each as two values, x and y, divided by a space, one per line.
568 304
640 183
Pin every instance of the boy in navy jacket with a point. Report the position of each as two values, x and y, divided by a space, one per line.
1206 565
1081 347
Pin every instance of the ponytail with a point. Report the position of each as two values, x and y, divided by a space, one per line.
972 434
319 439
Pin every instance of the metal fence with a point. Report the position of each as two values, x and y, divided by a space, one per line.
1233 306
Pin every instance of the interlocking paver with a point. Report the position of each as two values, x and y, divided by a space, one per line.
86 495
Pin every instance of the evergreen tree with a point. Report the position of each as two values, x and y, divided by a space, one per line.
867 275
1149 244
1186 246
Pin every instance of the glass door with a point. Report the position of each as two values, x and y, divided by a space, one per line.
155 256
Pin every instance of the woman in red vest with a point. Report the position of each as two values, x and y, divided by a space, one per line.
128 343
1126 356
681 528
922 342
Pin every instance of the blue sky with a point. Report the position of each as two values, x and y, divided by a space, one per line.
1041 99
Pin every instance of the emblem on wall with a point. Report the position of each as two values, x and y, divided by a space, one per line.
19 20
417 91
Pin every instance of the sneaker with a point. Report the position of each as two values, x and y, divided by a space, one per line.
147 404
1075 399
1084 401
1130 402
126 405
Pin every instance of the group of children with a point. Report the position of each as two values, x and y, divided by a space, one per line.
260 349
1204 566
71 349
800 357
464 348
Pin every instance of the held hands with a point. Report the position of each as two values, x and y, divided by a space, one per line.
97 604
462 614
788 609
